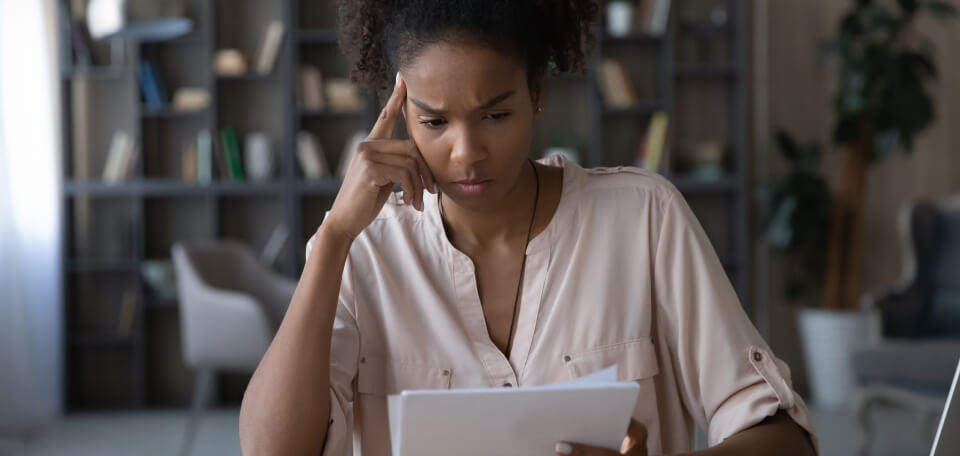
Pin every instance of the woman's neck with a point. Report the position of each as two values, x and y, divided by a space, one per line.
506 222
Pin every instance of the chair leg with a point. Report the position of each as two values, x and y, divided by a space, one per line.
202 386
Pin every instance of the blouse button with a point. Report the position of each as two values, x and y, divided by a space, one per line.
446 372
363 360
507 385
566 358
757 356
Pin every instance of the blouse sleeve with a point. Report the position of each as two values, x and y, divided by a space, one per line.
729 379
344 354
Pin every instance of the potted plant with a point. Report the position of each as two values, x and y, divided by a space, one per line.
620 16
799 215
882 103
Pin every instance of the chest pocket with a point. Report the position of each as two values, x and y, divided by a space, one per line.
636 361
382 376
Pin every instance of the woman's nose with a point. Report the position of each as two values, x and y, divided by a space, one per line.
467 150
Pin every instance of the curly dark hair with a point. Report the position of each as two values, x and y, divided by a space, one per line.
381 36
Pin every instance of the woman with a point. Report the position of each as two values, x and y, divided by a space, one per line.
492 270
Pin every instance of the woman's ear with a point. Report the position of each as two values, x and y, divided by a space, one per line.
538 97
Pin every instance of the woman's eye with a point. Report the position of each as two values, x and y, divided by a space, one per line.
500 116
432 123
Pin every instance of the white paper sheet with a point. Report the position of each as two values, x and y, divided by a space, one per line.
593 409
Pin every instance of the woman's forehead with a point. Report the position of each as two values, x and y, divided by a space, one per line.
450 76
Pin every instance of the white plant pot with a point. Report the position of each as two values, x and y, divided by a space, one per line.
829 339
619 18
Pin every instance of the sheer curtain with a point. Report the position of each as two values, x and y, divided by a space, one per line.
30 309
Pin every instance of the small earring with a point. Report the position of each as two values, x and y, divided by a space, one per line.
539 108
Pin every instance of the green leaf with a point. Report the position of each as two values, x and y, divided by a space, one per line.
917 61
845 132
788 146
908 6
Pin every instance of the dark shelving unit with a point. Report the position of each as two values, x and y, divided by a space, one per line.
110 230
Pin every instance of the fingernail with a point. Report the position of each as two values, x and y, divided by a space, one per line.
436 189
564 448
398 78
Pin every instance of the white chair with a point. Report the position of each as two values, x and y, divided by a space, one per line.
230 308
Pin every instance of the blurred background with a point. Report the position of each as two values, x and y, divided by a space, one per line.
162 164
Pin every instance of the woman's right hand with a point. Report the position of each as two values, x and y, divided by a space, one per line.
379 163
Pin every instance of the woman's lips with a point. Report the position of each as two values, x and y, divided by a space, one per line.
472 187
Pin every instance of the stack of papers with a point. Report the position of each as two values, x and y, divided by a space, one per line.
593 410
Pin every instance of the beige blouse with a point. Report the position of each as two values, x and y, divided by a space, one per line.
623 274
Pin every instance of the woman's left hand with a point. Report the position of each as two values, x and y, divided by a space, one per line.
635 444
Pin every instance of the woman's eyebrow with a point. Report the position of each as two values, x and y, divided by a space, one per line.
493 101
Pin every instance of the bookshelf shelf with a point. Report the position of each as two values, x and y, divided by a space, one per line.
102 338
642 109
169 113
102 265
329 113
327 186
317 36
97 73
704 71
251 77
97 188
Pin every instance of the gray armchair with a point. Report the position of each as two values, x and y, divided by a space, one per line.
913 366
230 309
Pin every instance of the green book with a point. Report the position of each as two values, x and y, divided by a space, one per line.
232 151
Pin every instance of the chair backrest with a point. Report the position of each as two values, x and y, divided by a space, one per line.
944 317
931 306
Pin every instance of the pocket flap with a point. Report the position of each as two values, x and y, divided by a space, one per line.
635 359
379 375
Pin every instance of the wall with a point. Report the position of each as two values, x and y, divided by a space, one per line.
797 97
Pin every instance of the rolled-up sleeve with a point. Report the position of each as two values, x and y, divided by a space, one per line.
344 354
728 378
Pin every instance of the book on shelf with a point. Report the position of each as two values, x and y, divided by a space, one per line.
152 86
272 40
313 165
191 99
229 62
127 314
349 150
642 15
654 143
232 153
311 87
615 85
343 95
220 157
81 44
659 17
204 157
120 159
188 162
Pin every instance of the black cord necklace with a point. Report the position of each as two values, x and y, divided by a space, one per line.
523 263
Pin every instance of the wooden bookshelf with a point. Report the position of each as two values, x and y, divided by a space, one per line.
111 229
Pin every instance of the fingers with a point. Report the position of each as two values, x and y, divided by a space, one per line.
413 192
401 153
387 175
387 122
636 442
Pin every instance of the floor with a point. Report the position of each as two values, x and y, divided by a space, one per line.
160 434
